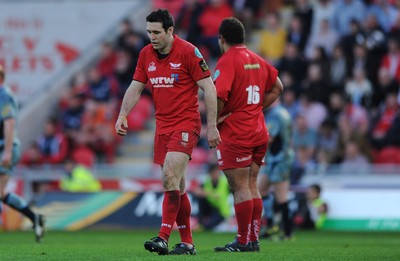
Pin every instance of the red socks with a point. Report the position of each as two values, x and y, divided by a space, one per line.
170 208
244 214
255 222
183 220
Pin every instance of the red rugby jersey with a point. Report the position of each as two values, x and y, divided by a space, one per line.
173 83
242 78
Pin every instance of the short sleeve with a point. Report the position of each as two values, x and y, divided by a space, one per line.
223 79
198 67
140 74
8 111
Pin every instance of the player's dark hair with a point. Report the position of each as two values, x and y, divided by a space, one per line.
161 16
232 30
316 187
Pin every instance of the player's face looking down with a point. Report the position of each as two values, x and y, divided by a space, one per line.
159 38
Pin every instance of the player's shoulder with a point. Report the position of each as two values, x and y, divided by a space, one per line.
147 49
186 48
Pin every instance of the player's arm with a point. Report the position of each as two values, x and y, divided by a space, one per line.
131 98
273 94
210 99
8 126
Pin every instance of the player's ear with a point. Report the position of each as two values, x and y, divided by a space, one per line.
170 30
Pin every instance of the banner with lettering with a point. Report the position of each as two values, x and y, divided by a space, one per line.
39 39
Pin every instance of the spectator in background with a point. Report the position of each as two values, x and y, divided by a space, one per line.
187 23
312 111
123 71
385 13
322 10
385 126
52 143
32 157
304 164
354 161
303 10
213 14
294 64
324 37
375 42
345 12
248 11
290 102
327 139
336 106
98 122
101 88
391 60
354 37
386 84
296 34
338 70
347 134
107 61
272 39
304 136
316 210
213 196
72 115
316 85
359 88
78 178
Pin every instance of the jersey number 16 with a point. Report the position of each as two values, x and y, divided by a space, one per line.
253 94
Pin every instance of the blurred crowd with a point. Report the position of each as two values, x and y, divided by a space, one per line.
339 61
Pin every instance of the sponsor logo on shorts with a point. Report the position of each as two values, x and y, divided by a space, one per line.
184 144
243 159
152 67
218 154
185 136
221 163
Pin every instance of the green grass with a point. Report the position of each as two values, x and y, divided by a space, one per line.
128 245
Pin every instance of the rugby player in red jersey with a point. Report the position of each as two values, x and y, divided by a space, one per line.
246 84
174 69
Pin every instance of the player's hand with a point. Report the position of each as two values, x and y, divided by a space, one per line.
222 118
213 137
121 125
6 160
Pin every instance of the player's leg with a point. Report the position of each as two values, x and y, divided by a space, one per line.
183 222
281 194
257 206
15 201
267 201
174 167
258 159
238 180
235 161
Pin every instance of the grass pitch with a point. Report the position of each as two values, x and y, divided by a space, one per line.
128 245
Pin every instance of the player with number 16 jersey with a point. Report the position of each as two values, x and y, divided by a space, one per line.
242 78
